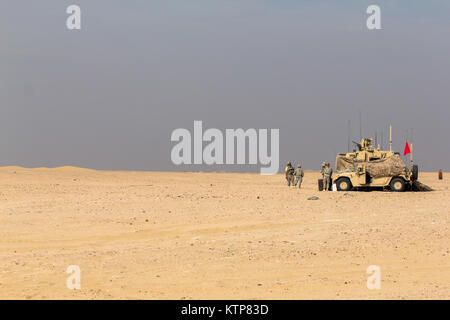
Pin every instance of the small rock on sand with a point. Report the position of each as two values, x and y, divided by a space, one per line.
348 194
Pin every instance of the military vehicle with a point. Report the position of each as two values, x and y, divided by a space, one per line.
370 167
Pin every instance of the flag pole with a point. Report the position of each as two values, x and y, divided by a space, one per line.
412 148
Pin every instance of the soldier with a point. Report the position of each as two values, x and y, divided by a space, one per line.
298 174
322 167
289 171
326 174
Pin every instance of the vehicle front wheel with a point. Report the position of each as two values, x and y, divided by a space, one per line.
343 184
398 185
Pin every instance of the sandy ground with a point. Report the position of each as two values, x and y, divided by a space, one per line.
155 235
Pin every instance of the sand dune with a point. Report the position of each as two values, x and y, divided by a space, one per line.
157 235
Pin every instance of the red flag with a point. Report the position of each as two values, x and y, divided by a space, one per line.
407 149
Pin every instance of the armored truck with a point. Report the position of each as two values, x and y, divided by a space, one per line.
370 167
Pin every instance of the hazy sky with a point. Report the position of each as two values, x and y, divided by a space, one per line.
109 95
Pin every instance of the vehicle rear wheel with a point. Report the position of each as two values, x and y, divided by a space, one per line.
398 185
343 184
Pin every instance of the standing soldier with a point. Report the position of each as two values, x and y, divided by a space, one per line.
289 171
322 167
298 176
326 174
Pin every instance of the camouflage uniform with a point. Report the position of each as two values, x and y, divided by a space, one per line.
322 168
298 174
289 174
326 174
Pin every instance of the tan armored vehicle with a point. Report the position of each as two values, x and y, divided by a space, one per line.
370 167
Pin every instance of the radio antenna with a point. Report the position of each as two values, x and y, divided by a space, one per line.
390 137
360 126
381 138
348 136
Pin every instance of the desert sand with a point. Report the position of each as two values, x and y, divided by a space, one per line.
158 235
